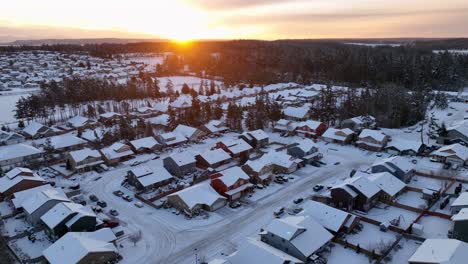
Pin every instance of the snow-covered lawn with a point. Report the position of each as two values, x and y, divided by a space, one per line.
13 226
425 182
371 236
5 208
27 249
390 213
411 198
402 253
340 255
434 227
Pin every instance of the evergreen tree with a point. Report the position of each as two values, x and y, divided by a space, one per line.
185 89
172 120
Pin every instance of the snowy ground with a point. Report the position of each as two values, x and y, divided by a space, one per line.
413 199
404 251
5 208
13 226
371 236
340 255
434 227
389 213
27 249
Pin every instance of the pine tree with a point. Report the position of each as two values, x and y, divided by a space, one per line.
148 130
172 120
185 89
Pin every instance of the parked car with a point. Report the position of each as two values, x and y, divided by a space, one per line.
136 163
318 187
118 193
93 198
279 180
111 223
235 204
298 200
102 204
127 198
113 212
75 186
96 209
259 186
278 213
156 157
139 204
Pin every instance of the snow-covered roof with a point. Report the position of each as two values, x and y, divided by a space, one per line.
254 252
185 131
236 146
17 151
278 158
183 158
306 145
172 138
142 143
363 185
329 217
78 121
400 162
363 119
306 234
116 151
80 155
17 175
312 124
388 183
405 145
74 246
374 134
201 193
63 141
215 156
159 120
461 200
452 150
296 112
257 134
461 216
31 204
337 134
232 175
20 197
147 176
441 251
215 126
60 211
33 128
109 115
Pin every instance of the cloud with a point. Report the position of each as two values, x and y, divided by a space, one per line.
234 4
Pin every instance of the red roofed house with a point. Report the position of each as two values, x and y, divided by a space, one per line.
232 183
311 129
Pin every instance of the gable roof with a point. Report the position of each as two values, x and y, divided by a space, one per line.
17 151
142 143
17 175
453 150
254 252
256 134
33 128
363 185
80 155
63 141
296 112
232 175
60 211
329 217
201 193
388 183
375 134
185 131
443 251
337 134
405 145
78 121
33 203
182 158
147 176
215 156
236 146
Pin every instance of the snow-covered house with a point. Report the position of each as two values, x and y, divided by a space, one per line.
37 130
281 162
310 129
454 154
305 150
257 138
440 251
358 123
255 251
459 203
116 153
83 247
145 145
390 185
355 193
285 126
109 117
180 164
196 198
62 143
41 202
80 122
372 140
341 136
398 166
84 160
159 122
145 178
237 148
10 138
68 217
212 158
458 229
191 133
296 113
19 179
457 133
405 147
214 126
232 183
298 236
171 139
18 155
334 220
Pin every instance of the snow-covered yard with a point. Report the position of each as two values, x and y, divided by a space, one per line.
371 236
28 249
5 208
434 227
425 182
411 198
404 251
340 255
389 213
13 226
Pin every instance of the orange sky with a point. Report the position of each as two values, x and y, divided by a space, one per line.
234 19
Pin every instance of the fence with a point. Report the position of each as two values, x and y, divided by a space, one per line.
367 252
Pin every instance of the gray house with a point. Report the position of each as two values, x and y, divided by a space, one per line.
306 150
400 167
180 164
460 225
298 236
455 134
41 202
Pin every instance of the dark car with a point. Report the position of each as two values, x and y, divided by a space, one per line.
93 198
118 193
318 187
127 198
298 200
114 212
75 186
102 204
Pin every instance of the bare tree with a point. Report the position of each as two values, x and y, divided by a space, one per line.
135 237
